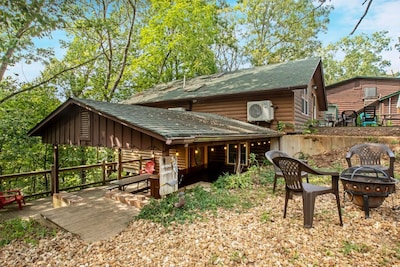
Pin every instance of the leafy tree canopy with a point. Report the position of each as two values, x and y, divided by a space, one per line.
21 22
177 40
358 55
281 30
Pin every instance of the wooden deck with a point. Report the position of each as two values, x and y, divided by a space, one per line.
94 218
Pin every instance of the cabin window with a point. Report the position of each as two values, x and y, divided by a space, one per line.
370 92
235 150
304 101
85 125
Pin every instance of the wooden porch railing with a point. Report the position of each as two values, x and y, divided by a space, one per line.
47 182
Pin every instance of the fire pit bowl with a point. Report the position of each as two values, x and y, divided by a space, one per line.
367 187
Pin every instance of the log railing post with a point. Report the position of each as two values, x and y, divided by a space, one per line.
55 184
103 171
119 169
140 164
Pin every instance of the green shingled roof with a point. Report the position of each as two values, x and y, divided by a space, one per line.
169 124
290 75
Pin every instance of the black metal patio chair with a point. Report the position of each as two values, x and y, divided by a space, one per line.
349 117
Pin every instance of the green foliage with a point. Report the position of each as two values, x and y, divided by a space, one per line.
362 57
283 126
135 45
266 216
395 142
197 200
255 175
20 22
238 256
253 160
177 40
228 49
301 155
103 40
29 231
372 139
234 181
398 250
311 127
267 176
349 247
281 30
18 151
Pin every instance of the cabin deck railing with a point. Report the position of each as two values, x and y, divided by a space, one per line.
47 182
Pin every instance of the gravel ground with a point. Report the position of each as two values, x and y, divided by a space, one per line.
259 236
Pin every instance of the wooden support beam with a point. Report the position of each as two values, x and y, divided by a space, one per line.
55 184
119 167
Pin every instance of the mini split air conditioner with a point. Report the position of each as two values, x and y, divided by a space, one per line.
260 111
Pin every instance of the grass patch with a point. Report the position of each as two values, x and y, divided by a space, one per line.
228 192
349 247
197 200
29 231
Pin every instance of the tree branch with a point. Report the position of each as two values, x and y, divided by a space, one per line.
126 49
47 80
365 13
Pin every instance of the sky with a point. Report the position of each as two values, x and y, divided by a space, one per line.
383 15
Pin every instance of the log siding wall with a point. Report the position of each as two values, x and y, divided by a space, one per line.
286 102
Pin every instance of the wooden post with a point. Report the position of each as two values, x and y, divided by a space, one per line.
55 184
140 164
119 169
238 151
103 171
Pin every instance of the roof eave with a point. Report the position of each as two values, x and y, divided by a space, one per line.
217 138
37 127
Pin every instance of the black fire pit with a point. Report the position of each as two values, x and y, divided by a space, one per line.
367 186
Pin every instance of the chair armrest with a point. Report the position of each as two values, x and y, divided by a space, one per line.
349 154
9 195
348 158
391 154
305 167
334 175
13 191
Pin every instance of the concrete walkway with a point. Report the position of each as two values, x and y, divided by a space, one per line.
94 218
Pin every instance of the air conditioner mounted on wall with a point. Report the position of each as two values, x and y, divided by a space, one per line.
260 111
